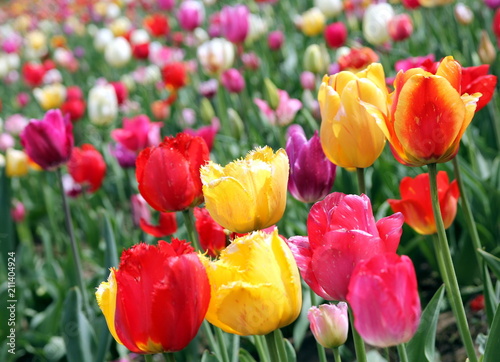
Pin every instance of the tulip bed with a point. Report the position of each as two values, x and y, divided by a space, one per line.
249 181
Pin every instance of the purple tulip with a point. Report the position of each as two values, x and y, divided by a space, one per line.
492 4
311 173
234 23
49 142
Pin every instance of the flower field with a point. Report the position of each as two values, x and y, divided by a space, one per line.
254 180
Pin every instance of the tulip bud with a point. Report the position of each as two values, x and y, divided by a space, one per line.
102 104
330 8
233 81
191 14
486 50
492 4
206 110
329 324
312 22
237 127
463 14
400 27
271 93
375 22
18 211
308 80
275 40
496 24
16 163
316 59
118 52
335 35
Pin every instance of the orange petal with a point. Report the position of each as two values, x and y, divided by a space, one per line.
451 70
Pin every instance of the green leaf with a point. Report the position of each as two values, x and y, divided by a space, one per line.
6 230
422 346
492 350
111 255
302 323
245 356
77 332
492 261
290 351
209 357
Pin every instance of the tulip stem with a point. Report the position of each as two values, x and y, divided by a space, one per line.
261 349
149 357
74 248
359 345
211 339
319 347
447 269
336 354
222 344
403 357
276 347
191 231
169 357
360 172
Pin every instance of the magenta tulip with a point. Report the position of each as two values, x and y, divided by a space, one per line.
384 299
234 24
49 141
342 232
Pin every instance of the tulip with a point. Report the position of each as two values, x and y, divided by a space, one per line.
312 22
191 14
102 38
138 133
208 133
308 80
250 61
87 167
140 51
16 163
477 79
335 34
216 55
118 52
329 324
166 4
174 75
15 124
234 23
275 40
342 232
169 175
157 24
411 4
75 108
349 134
213 238
167 225
140 209
50 96
486 50
125 157
400 27
357 59
316 59
428 115
49 141
18 212
311 173
384 300
330 8
145 300
255 285
259 182
463 14
496 24
6 141
233 80
433 3
416 206
102 104
121 91
33 74
375 23
425 62
285 111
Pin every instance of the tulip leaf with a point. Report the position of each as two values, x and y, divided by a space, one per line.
492 261
422 346
6 230
77 332
111 255
492 350
290 351
302 323
209 357
245 356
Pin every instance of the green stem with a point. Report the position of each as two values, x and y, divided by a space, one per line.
359 345
360 172
222 345
149 357
319 347
280 343
336 355
448 271
275 345
261 349
74 248
169 357
192 234
236 348
211 339
222 110
403 357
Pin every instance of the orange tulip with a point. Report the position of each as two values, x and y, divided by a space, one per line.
428 115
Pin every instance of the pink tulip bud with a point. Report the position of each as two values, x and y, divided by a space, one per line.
233 81
18 211
275 40
308 80
191 14
335 35
329 324
234 23
400 27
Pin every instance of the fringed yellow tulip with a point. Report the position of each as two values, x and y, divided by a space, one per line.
349 134
255 285
248 194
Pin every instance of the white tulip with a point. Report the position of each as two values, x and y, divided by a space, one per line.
329 8
216 55
102 104
375 22
102 38
118 52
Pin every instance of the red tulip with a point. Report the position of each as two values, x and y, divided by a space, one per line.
496 23
157 298
335 34
87 167
212 236
169 175
157 24
477 79
400 27
140 51
49 141
384 300
167 225
342 232
174 75
33 74
75 108
121 91
416 206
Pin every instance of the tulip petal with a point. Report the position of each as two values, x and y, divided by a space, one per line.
390 229
452 71
106 299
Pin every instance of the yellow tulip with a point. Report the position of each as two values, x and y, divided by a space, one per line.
349 134
51 96
16 163
248 194
255 285
313 22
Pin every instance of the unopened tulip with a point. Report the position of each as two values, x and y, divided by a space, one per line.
275 40
190 14
169 175
248 299
33 73
18 211
400 27
329 324
259 181
342 232
233 80
311 173
330 8
49 141
118 52
349 134
234 23
419 134
157 24
6 141
384 299
158 279
102 104
463 14
316 59
486 51
87 167
308 80
50 96
16 163
216 55
312 22
375 21
335 34
416 205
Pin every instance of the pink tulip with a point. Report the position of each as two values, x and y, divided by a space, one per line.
384 299
275 40
335 34
140 210
191 14
400 27
208 133
49 141
329 324
234 24
232 80
138 133
284 113
342 232
166 4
